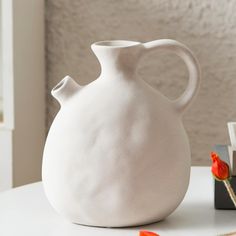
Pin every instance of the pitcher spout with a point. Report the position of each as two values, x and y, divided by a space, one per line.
65 89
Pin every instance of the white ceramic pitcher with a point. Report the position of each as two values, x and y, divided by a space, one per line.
117 153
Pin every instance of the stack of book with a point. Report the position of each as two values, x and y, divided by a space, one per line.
221 196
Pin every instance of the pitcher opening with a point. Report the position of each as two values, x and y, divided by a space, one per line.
116 43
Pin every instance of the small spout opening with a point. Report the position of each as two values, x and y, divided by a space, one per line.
60 85
65 89
116 43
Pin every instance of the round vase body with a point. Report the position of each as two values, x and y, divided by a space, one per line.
116 154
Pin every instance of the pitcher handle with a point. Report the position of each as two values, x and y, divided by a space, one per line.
191 62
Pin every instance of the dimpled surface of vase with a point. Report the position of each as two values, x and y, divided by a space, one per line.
117 153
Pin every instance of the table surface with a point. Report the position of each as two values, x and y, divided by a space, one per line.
26 211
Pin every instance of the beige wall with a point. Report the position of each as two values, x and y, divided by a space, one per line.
207 27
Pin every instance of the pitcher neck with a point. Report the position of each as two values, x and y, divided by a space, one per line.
117 58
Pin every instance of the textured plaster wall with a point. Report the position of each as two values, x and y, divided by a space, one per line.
207 27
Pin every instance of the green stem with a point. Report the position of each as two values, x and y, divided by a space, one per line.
230 191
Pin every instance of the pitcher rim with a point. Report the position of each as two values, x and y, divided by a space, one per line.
116 43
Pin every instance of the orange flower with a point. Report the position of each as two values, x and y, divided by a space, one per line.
147 233
219 168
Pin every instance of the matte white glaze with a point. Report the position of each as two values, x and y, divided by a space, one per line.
117 153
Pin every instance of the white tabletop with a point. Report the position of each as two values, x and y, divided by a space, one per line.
26 211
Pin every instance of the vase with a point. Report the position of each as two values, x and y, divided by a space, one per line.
117 153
